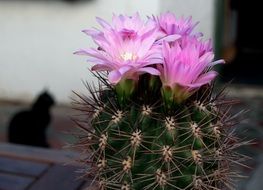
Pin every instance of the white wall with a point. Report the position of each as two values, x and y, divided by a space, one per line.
37 39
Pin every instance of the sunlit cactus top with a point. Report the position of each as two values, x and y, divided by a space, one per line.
162 46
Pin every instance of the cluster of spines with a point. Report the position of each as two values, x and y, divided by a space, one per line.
147 147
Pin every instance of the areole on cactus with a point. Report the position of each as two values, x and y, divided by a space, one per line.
154 122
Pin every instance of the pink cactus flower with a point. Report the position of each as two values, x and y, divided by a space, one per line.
187 66
131 26
168 24
126 48
126 26
202 46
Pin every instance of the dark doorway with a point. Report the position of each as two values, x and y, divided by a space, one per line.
246 67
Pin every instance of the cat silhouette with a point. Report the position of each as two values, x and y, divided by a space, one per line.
29 127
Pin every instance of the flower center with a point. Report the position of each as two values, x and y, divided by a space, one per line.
128 56
128 34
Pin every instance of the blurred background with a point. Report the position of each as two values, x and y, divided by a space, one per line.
38 38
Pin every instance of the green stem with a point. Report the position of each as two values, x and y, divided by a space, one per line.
125 89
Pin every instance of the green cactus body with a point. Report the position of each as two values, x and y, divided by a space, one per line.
140 143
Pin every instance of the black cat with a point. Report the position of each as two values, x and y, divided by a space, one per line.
28 127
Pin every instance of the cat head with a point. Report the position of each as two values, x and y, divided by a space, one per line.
44 101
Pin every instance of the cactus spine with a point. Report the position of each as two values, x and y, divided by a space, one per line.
141 143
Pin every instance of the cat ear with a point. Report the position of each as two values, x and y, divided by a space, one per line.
46 89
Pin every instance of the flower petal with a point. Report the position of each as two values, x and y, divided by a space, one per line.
125 69
103 23
91 32
114 76
100 68
220 61
81 52
149 70
204 79
169 38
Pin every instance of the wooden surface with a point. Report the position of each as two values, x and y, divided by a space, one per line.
30 168
37 154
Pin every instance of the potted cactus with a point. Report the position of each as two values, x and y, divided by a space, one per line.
153 122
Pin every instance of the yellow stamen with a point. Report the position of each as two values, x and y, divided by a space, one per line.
126 56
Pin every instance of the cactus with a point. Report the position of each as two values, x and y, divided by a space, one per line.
144 131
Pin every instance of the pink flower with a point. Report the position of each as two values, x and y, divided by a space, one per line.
126 26
168 24
126 48
187 65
